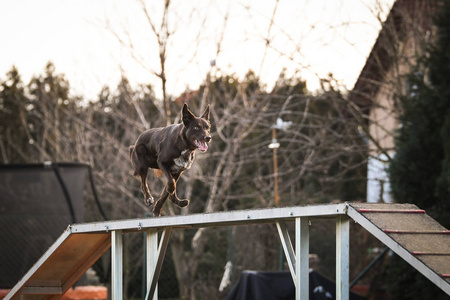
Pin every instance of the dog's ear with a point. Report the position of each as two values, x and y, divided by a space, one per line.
187 115
205 114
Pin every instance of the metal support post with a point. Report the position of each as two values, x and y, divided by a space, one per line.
155 269
302 259
152 258
342 257
116 263
289 252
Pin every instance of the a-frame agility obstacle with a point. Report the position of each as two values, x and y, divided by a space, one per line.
404 228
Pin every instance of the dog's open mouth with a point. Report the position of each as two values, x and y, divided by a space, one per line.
202 146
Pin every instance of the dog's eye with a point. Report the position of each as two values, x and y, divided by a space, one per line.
195 128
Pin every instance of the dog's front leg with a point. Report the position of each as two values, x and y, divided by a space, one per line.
171 182
145 190
159 203
173 197
167 191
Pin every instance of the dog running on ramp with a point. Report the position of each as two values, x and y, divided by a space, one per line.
171 150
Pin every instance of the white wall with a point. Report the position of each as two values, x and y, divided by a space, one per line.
378 185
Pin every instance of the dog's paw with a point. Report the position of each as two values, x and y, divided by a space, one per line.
183 203
149 201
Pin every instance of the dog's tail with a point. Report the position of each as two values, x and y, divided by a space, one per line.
131 148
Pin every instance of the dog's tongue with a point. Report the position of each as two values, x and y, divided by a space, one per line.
203 146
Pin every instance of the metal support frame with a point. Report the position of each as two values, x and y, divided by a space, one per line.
155 259
287 247
116 265
152 258
302 258
298 260
101 233
342 257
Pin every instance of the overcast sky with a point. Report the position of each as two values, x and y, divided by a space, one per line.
308 37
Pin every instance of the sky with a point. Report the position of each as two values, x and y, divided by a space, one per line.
96 42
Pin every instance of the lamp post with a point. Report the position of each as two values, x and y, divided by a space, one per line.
274 146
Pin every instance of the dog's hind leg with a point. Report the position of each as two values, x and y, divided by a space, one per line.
171 182
169 190
138 155
144 188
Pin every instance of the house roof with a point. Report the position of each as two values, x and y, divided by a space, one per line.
405 15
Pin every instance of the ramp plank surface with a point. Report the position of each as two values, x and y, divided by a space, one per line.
412 234
62 265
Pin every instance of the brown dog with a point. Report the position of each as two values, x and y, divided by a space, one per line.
170 149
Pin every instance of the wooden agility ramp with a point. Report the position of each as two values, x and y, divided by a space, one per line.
404 228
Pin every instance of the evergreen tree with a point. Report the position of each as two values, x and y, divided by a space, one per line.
420 170
49 128
13 109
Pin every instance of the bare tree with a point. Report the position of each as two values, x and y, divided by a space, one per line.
162 34
322 155
317 152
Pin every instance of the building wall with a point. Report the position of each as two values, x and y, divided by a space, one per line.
384 122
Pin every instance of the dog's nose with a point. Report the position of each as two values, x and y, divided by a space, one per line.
208 138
